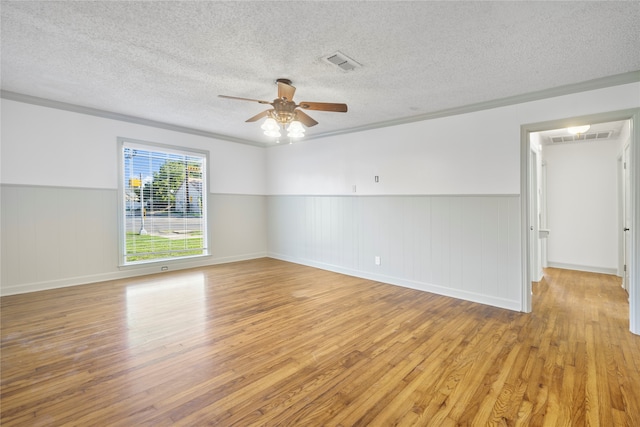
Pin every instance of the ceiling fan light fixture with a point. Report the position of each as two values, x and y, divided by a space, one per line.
270 125
295 130
576 130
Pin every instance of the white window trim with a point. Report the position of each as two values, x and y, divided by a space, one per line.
174 149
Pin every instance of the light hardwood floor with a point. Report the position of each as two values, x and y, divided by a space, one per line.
266 342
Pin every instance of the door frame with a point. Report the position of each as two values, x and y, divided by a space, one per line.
534 228
627 213
624 204
633 115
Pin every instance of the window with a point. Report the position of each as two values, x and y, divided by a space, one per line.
163 202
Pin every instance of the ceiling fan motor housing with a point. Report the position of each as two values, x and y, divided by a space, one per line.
285 81
284 111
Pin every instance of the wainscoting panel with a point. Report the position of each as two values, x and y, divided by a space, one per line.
57 236
462 246
50 234
237 226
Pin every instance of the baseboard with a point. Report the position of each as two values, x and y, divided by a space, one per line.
396 281
124 273
586 268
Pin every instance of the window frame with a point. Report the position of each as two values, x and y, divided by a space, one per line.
125 142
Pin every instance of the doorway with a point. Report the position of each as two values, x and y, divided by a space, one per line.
534 220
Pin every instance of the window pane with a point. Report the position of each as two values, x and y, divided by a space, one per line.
164 200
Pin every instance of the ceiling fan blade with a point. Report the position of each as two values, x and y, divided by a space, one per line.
286 91
305 119
324 106
244 99
259 116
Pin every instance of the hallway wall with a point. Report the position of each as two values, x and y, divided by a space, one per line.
582 205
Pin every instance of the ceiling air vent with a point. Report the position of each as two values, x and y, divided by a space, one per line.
559 139
342 61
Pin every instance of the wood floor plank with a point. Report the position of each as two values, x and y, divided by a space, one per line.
270 343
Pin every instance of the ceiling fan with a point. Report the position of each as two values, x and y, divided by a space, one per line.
286 112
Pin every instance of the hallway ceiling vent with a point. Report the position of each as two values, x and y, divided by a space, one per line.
559 139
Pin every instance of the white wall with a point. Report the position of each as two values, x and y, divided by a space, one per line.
466 154
59 198
46 146
475 153
582 205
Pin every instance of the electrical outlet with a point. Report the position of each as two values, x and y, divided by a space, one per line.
377 260
354 188
164 268
377 178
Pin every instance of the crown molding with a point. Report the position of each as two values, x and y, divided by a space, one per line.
609 81
43 102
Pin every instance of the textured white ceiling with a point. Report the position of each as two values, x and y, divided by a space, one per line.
168 61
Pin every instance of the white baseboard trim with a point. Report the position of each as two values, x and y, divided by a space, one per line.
396 281
586 268
124 273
